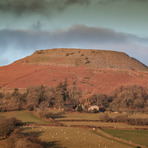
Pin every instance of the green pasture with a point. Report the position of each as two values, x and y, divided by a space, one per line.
79 116
24 116
136 136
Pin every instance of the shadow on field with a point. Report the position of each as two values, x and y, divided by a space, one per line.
54 144
51 144
57 116
34 134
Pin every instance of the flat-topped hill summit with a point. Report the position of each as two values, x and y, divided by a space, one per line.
92 70
102 59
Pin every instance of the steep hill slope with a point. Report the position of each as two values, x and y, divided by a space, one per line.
93 70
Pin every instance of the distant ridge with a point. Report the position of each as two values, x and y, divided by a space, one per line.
102 59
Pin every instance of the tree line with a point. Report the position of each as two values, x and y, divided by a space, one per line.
40 97
123 99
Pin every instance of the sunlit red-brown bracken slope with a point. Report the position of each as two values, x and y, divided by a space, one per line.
92 70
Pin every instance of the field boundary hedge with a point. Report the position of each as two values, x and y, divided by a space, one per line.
77 120
80 126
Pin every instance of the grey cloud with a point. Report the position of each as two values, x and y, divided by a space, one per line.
37 6
84 34
78 36
139 0
125 1
47 6
82 2
20 6
74 35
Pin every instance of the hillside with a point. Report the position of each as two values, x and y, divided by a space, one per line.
93 70
81 57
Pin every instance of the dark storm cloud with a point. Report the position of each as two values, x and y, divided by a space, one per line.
82 2
127 1
133 0
37 6
20 6
47 6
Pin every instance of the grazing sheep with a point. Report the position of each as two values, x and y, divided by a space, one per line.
66 138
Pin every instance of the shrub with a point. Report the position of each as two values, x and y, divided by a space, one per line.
74 106
7 126
79 108
137 121
105 118
19 140
121 118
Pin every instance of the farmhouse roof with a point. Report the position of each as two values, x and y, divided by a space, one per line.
94 107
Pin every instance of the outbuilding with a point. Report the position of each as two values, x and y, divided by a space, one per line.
92 108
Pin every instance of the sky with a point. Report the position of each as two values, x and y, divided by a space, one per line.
30 25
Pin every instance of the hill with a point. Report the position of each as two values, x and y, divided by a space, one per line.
81 57
92 70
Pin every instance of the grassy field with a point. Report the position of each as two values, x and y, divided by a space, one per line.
120 125
29 117
136 136
25 117
73 137
79 116
95 116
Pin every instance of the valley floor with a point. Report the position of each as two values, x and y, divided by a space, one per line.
86 131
